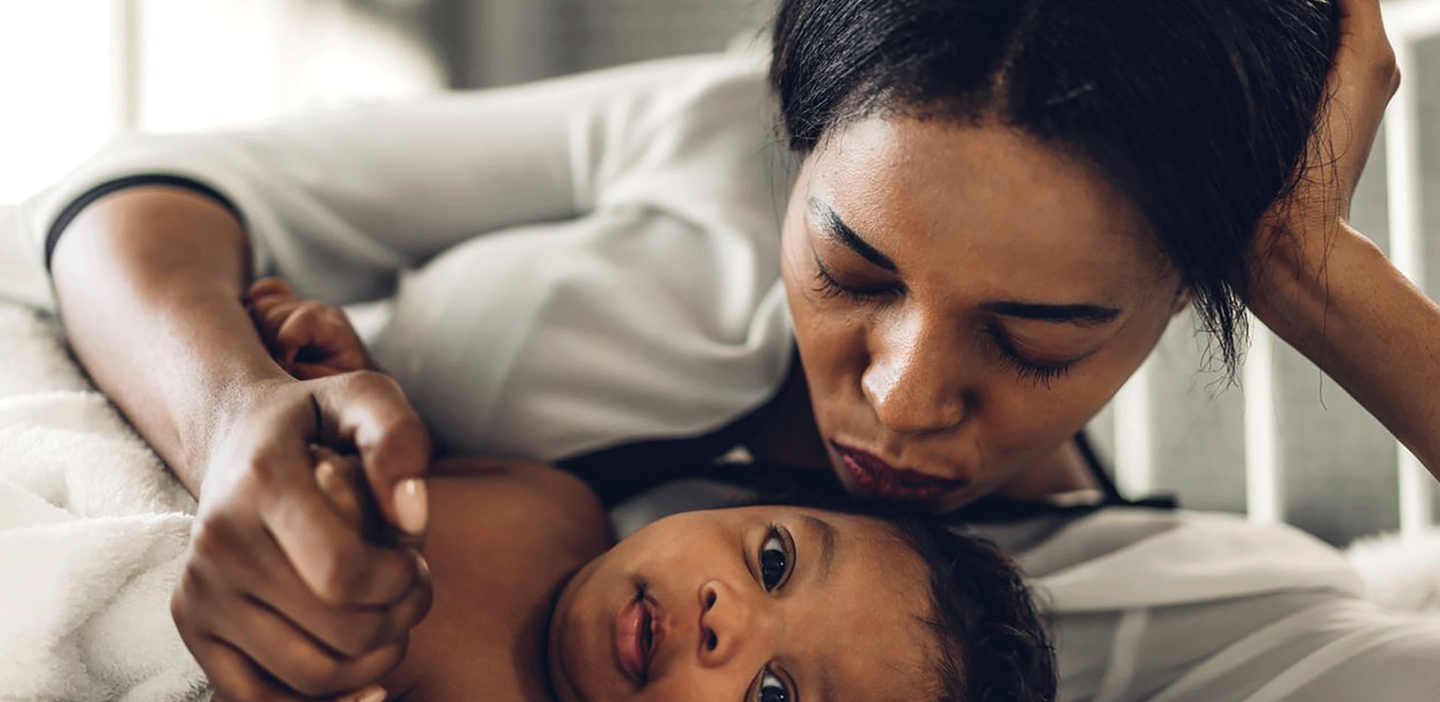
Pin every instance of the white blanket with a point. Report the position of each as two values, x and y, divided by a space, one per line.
92 535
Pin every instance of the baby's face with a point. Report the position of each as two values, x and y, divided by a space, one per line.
772 604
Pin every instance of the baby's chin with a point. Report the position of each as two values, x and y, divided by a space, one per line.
564 641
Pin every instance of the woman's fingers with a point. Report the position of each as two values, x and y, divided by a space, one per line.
349 629
267 532
234 677
331 556
368 410
1359 89
298 661
238 679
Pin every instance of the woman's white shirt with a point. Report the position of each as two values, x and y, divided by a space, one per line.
1177 606
576 263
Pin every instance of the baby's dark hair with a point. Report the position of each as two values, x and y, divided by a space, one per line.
992 640
1197 111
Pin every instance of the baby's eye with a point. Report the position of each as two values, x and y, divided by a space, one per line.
772 688
775 560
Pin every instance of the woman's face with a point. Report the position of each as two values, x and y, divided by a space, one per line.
964 300
760 604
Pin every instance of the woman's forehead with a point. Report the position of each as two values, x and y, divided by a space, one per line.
938 196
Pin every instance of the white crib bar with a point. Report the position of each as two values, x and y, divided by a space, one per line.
1403 191
1134 455
125 69
1264 498
1409 21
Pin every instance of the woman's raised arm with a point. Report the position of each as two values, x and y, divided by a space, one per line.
1328 290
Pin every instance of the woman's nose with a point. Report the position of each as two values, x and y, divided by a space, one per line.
725 623
914 379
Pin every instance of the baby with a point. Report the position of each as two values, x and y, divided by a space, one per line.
766 603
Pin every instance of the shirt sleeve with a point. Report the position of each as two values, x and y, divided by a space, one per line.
341 201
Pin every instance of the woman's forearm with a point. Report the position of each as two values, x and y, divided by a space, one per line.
149 283
1369 328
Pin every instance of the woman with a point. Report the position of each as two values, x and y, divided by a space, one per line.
999 207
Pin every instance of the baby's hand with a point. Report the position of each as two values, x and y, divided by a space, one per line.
309 339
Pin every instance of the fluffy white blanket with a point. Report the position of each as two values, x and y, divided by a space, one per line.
93 529
92 533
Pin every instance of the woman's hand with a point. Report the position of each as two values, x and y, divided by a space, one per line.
342 481
149 284
309 339
282 598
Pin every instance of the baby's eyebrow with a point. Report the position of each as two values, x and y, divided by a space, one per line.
828 538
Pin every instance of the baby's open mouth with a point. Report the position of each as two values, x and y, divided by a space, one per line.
637 636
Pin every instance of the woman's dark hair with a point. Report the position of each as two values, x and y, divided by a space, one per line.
993 645
1197 111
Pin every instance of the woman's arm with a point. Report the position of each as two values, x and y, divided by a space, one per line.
148 283
1329 291
338 202
1371 330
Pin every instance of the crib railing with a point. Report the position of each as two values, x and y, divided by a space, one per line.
1409 23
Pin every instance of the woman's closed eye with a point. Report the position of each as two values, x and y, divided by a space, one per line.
828 284
1041 372
776 558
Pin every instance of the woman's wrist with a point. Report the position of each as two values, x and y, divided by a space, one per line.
1309 287
1346 308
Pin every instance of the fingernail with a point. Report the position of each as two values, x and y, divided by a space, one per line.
375 694
326 476
411 505
423 565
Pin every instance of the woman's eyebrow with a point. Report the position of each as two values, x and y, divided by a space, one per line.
827 537
838 230
1079 315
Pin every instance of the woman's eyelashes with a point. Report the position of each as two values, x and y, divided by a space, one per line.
1038 372
776 559
828 286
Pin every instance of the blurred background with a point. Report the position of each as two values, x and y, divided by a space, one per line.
75 73
1287 444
